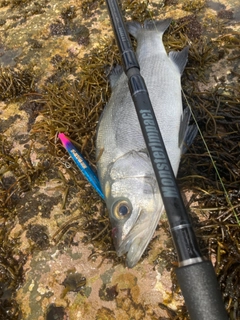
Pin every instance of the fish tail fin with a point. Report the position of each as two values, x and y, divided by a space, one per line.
159 26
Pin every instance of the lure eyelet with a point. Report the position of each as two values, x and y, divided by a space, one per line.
122 209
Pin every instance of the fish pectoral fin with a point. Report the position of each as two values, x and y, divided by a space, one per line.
100 153
115 74
187 132
179 58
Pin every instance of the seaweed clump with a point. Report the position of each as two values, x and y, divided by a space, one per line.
203 53
190 27
137 10
11 258
216 210
14 82
193 5
11 267
89 7
17 178
220 229
81 99
74 107
215 181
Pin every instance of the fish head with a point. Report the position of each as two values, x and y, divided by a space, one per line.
134 204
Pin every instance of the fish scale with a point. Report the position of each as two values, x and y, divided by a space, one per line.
133 199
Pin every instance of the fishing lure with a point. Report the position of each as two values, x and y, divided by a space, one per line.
81 163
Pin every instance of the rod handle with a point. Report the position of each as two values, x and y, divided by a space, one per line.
201 292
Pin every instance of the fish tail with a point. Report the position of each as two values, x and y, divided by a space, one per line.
159 26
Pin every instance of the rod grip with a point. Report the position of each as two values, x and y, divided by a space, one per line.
201 292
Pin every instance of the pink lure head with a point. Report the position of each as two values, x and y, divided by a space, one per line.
65 141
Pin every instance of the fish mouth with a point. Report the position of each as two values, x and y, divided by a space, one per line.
138 238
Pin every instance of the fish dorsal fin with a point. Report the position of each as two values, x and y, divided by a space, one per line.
187 132
160 26
179 58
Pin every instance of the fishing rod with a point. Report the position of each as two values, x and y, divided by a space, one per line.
195 275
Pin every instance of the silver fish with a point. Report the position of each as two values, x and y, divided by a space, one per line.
124 168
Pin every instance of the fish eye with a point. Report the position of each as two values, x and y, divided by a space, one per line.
121 209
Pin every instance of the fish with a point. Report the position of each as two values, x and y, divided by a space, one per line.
124 168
